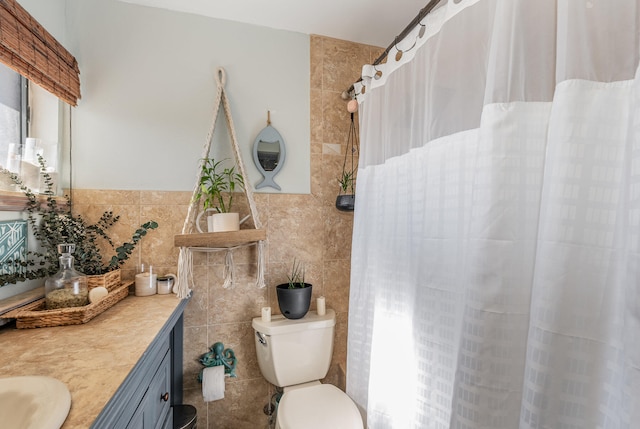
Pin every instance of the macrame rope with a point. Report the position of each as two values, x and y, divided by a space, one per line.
185 273
260 283
184 281
229 270
260 276
185 258
191 214
248 186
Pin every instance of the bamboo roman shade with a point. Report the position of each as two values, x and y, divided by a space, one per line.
30 50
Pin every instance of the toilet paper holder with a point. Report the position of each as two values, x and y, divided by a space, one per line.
218 356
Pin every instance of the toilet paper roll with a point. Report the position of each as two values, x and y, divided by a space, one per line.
213 383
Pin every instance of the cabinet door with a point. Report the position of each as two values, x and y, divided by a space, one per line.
158 397
144 399
154 410
168 422
137 421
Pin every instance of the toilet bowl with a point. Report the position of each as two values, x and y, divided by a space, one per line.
295 354
319 406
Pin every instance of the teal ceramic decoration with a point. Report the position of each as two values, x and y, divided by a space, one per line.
13 243
219 356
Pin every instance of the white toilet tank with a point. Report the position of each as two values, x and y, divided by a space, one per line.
295 351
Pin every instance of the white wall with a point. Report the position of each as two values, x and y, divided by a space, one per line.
148 93
50 14
148 89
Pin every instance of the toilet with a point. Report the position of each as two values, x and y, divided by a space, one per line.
295 355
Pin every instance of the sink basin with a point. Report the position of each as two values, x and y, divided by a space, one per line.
33 402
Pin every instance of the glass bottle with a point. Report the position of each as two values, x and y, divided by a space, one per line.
67 287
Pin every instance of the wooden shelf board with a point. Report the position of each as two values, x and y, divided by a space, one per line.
17 201
21 299
220 239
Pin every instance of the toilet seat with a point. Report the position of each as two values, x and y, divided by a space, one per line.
321 406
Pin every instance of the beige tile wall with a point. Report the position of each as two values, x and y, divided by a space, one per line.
307 227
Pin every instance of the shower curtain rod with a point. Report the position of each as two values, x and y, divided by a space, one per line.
415 21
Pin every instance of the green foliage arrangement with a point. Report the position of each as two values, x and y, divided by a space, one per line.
296 277
52 224
216 187
347 181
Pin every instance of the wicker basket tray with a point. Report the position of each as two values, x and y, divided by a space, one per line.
111 280
35 315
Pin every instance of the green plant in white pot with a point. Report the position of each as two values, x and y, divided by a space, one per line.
294 297
216 190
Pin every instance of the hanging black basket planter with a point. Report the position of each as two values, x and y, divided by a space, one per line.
346 203
346 200
294 302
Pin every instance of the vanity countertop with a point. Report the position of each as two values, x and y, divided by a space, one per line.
92 359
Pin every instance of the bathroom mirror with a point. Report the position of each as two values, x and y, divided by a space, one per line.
268 155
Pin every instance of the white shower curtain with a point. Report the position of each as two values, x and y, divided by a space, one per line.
495 277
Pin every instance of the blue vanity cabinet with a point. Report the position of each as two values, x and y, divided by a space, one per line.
144 399
153 408
156 405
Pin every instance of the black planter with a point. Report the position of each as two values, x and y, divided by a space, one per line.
346 203
294 303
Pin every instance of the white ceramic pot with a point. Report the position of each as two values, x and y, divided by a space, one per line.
219 222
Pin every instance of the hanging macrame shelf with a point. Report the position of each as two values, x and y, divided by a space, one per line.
215 240
189 241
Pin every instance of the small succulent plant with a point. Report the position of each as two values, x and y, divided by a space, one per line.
296 277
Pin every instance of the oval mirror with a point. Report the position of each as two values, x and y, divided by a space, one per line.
268 155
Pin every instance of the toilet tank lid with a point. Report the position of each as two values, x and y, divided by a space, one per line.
281 325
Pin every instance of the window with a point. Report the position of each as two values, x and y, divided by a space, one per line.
29 126
13 117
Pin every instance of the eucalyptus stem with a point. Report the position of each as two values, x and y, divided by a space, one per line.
52 224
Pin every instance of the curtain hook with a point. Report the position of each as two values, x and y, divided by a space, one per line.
423 29
395 45
400 52
378 73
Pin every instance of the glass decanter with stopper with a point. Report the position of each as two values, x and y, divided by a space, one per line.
67 287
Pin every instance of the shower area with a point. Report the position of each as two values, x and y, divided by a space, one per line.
495 278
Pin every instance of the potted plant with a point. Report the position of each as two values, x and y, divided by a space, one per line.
294 297
53 224
346 200
215 190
